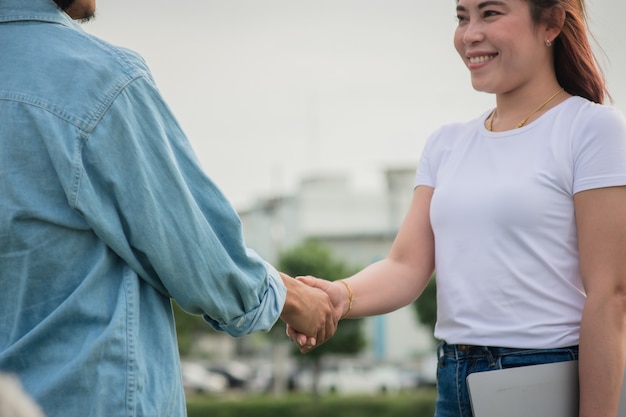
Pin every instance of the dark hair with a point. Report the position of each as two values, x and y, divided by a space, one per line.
64 4
575 64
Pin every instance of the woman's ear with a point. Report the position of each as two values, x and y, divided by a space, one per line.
555 21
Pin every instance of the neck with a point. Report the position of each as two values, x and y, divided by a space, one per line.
515 119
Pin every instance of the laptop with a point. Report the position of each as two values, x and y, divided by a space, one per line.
546 390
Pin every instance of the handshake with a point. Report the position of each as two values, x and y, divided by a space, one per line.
313 309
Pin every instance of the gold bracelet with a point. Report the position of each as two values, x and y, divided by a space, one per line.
350 297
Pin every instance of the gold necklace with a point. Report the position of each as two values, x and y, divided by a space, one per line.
525 119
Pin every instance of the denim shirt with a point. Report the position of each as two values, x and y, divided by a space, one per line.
105 216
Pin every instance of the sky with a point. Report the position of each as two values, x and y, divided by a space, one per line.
272 91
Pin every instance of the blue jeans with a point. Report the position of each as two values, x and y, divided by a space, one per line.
456 362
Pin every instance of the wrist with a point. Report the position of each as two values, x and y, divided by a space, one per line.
348 297
291 302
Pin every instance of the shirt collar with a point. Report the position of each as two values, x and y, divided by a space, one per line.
42 10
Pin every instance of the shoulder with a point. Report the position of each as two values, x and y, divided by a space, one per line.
584 113
450 133
124 62
66 71
585 126
71 44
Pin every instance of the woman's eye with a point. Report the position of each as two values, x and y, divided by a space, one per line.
461 18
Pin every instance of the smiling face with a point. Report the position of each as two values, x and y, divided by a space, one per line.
500 44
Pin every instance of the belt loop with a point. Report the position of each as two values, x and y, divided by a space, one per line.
456 352
492 357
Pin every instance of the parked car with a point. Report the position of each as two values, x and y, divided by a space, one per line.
353 378
197 379
237 374
261 379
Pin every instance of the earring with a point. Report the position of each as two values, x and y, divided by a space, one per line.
548 43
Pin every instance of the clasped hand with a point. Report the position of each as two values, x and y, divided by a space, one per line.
321 313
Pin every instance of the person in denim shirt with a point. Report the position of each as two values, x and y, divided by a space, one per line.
105 216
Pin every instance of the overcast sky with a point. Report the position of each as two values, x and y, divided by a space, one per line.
269 91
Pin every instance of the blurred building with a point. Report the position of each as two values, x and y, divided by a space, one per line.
359 226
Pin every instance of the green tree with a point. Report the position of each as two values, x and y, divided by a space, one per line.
315 258
426 305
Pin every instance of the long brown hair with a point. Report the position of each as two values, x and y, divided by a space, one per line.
575 64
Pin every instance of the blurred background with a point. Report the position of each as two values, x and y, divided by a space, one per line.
311 116
269 91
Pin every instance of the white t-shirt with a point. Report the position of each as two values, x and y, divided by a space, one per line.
503 218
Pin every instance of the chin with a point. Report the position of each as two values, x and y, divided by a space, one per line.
482 87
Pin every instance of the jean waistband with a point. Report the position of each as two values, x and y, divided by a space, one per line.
460 350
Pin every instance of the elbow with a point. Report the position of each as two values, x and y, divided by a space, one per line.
617 296
619 299
612 297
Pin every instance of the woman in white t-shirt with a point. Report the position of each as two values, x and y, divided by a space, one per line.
521 212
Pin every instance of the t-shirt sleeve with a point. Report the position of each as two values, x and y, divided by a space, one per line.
599 150
424 174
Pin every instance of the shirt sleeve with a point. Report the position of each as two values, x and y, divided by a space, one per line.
599 149
426 173
423 174
141 188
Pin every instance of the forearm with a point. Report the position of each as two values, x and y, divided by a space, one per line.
398 279
602 356
383 287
